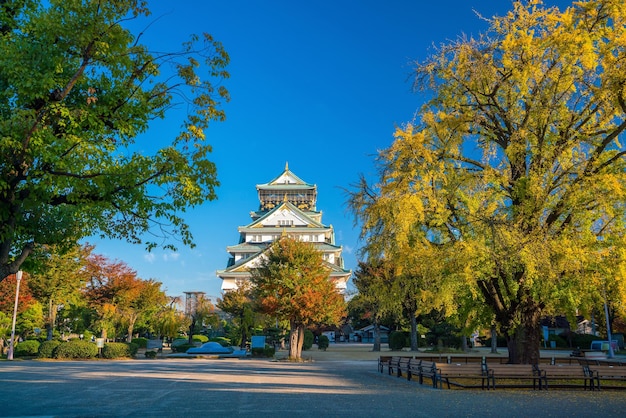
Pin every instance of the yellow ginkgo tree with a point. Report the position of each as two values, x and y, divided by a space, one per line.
515 165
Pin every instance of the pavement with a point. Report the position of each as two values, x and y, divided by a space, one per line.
342 381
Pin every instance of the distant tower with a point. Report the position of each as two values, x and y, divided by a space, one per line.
191 302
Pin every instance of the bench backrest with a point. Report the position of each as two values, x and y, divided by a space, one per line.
563 370
605 370
475 369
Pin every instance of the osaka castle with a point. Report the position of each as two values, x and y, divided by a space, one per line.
287 205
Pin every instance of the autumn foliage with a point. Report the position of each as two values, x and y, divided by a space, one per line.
514 169
292 283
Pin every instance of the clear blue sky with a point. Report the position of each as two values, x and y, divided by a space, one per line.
320 85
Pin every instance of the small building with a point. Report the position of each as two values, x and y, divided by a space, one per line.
366 334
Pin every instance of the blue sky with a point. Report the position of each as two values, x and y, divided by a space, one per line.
320 85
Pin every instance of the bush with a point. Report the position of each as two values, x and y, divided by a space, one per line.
559 341
141 342
397 340
151 354
178 342
46 348
323 342
182 348
224 342
267 351
200 338
308 340
119 350
582 340
76 349
26 348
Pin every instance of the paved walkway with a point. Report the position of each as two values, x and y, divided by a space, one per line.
253 388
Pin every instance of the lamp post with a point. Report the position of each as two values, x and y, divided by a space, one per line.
18 277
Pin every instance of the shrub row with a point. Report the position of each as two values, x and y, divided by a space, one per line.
28 348
119 350
74 349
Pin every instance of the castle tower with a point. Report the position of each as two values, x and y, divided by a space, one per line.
286 205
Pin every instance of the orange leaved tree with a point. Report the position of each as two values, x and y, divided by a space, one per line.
292 283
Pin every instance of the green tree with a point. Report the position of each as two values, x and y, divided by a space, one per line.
77 90
516 163
169 320
292 283
201 315
373 280
58 278
238 303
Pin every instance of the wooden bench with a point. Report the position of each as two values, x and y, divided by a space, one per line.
454 373
399 365
383 361
571 374
423 369
516 372
607 373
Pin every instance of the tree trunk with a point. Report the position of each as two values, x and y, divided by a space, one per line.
244 336
494 340
464 344
414 346
296 340
300 339
376 346
524 342
129 330
52 316
192 327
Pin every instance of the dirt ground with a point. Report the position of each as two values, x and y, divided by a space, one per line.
361 352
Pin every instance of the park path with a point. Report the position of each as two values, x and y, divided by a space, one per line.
259 387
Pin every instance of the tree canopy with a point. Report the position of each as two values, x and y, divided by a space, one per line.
58 276
515 166
77 90
292 283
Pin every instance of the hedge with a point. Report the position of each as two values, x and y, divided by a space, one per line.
141 342
224 342
119 350
267 351
26 348
46 348
76 349
200 338
182 348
